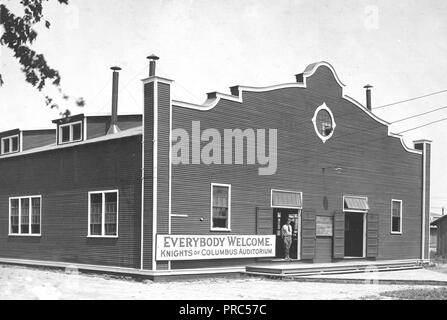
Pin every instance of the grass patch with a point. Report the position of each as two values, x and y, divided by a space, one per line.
417 294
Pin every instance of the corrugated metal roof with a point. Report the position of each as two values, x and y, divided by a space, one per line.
122 134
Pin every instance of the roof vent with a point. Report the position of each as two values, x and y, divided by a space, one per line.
368 96
152 61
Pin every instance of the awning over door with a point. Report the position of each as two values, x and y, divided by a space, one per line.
356 203
286 199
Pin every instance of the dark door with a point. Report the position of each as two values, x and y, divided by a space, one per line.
280 217
353 234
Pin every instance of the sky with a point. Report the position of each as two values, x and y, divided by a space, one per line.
398 46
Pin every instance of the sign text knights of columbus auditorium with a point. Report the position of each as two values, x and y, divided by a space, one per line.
195 247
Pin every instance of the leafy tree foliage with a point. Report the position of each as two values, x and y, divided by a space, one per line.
19 35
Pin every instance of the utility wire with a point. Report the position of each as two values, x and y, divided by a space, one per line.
418 115
349 113
311 152
411 99
181 86
121 88
424 125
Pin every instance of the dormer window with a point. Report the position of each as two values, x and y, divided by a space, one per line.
10 144
70 132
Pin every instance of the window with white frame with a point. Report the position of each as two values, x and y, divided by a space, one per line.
70 132
396 216
25 215
103 213
220 206
324 123
10 144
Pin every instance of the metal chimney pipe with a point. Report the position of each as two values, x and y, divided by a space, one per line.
152 62
114 118
368 96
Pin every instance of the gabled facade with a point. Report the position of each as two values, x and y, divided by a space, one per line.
191 186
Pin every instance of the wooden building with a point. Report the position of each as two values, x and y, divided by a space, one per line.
434 231
187 186
441 235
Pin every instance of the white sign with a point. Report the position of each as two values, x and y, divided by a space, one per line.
197 247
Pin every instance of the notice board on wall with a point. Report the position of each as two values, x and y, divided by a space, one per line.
324 226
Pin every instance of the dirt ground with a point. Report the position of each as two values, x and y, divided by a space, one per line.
30 284
439 267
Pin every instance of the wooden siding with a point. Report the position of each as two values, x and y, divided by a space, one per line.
441 248
308 239
63 177
427 200
164 101
323 249
38 138
372 234
98 126
264 221
9 133
372 164
339 235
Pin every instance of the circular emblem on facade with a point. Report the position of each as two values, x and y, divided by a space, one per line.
324 123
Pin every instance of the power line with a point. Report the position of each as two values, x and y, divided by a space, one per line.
183 87
310 152
100 91
121 88
396 121
418 115
350 113
308 148
424 125
411 99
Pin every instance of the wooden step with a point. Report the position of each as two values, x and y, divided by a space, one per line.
333 269
316 270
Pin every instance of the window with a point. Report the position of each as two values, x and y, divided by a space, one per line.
70 132
10 144
25 215
396 216
220 206
103 214
324 123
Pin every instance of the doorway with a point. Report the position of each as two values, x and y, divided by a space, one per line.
354 234
280 217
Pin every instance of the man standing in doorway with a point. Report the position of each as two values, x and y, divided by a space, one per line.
286 233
